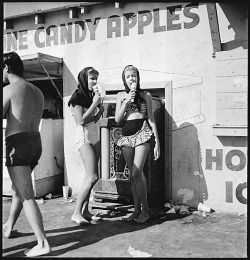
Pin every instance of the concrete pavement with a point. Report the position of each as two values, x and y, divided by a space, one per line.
166 235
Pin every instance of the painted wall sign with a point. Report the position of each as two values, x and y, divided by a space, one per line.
235 161
116 26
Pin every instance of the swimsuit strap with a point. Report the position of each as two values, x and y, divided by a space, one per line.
133 107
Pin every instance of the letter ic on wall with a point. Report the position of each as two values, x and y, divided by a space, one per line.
238 192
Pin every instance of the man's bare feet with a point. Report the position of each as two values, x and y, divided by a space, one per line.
79 219
143 218
132 216
7 230
38 250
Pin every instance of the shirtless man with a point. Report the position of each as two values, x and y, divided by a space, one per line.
23 106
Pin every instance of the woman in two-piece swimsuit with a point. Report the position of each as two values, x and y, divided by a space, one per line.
134 109
87 108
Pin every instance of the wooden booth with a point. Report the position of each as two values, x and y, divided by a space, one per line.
45 72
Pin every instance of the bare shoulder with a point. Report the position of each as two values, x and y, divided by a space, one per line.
120 95
21 88
25 90
36 89
9 90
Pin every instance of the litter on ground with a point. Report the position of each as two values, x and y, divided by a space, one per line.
137 253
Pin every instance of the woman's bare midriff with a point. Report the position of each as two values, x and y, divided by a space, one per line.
134 115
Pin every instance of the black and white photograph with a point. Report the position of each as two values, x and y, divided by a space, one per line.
125 129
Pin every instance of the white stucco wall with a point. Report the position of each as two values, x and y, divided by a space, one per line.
178 55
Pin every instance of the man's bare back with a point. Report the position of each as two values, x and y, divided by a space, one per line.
23 106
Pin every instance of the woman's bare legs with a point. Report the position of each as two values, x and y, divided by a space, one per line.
139 179
90 160
21 179
128 154
85 209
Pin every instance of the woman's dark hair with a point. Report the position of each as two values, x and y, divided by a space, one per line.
138 98
82 95
12 60
131 67
83 82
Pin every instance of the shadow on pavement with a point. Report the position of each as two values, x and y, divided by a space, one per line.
66 239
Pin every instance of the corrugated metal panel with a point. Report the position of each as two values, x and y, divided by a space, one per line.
34 71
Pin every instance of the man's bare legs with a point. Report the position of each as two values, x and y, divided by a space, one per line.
15 209
21 179
89 156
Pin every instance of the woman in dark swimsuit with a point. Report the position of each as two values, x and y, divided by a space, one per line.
134 108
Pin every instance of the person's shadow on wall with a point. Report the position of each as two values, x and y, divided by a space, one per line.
188 181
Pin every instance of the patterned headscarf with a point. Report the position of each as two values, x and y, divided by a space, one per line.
131 67
83 96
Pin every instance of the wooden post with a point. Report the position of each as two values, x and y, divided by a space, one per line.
214 27
105 153
168 140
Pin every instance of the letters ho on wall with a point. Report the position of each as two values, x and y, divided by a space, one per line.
233 163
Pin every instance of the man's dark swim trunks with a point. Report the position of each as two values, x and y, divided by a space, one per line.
23 149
